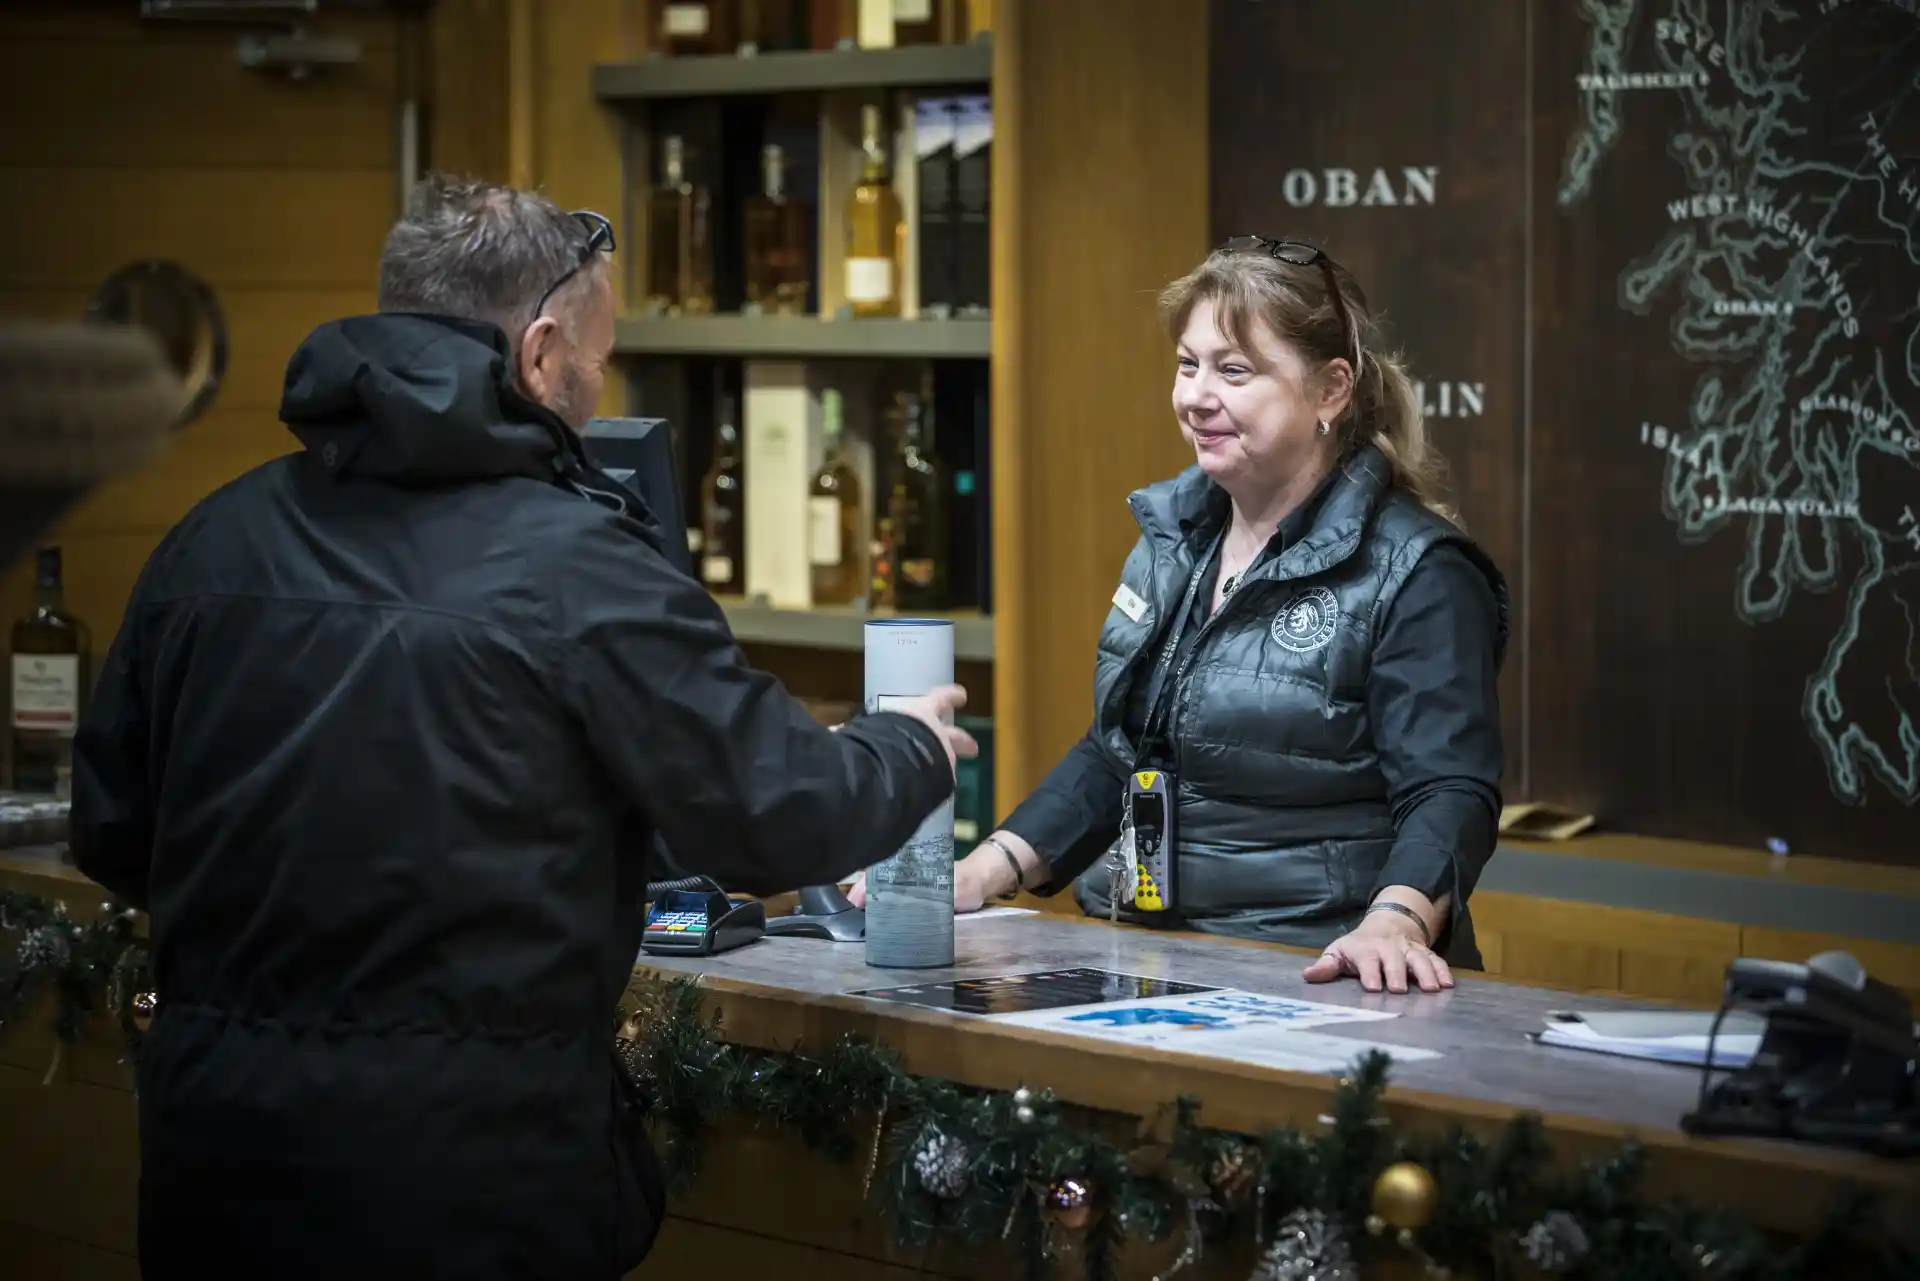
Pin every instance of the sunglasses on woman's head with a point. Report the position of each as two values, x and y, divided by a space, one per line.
1301 254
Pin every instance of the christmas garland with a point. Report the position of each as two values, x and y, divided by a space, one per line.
1073 1187
971 1166
92 969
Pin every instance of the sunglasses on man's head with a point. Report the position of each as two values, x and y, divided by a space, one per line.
1301 254
599 240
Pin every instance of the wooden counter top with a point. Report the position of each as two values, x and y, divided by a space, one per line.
781 991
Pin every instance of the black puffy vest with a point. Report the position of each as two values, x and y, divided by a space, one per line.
1284 821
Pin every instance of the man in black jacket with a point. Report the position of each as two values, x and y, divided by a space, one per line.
381 745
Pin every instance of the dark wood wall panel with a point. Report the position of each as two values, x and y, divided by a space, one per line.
1321 108
1678 242
1727 269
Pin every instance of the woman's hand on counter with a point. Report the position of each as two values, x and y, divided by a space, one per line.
1385 951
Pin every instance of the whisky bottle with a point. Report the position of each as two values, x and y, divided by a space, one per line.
723 510
772 26
835 539
916 506
681 29
679 239
929 21
776 234
50 676
875 235
833 24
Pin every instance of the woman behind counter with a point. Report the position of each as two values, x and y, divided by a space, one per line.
1302 639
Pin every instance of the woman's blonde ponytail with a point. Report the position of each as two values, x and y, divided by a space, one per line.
1387 415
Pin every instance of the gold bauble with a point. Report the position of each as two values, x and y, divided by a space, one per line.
1405 1196
141 1010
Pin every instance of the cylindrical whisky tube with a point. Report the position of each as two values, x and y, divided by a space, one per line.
910 893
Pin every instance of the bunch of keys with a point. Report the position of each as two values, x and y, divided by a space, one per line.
1123 868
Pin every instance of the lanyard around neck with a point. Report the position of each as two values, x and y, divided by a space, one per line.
1176 630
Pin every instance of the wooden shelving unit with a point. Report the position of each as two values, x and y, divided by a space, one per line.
914 67
831 627
639 90
750 337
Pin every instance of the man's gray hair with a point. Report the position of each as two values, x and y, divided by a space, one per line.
480 251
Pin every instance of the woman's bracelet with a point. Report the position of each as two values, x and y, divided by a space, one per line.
1019 873
1387 905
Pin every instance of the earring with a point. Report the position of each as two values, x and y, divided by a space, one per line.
1324 428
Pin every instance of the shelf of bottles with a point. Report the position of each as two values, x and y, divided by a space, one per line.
808 266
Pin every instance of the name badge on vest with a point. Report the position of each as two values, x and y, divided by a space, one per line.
1130 602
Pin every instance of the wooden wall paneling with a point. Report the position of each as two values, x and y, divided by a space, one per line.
45 1256
688 1246
31 1252
469 92
1727 450
72 1160
186 82
1099 198
1589 947
131 139
1412 175
123 139
285 228
577 141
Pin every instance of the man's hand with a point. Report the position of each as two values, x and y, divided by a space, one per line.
1386 948
935 709
974 882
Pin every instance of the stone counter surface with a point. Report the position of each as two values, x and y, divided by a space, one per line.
1488 1069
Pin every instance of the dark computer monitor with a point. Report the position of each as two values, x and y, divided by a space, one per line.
638 452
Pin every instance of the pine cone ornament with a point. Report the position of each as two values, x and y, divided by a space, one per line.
1556 1242
1232 1175
940 1163
46 946
1307 1246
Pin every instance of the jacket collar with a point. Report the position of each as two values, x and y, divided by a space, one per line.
1187 510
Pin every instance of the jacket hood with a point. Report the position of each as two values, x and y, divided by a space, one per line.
418 400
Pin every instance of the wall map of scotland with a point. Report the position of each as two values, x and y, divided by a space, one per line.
1673 246
1781 269
1790 272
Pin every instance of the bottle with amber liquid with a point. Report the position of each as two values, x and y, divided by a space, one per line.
929 21
916 506
679 239
723 510
776 235
836 543
876 234
772 26
50 649
679 29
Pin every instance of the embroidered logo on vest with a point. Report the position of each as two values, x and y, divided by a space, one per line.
1308 621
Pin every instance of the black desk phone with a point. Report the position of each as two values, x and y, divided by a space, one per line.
1838 1063
694 917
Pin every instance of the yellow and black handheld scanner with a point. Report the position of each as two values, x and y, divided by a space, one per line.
1150 810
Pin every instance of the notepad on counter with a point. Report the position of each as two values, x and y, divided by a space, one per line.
1663 1036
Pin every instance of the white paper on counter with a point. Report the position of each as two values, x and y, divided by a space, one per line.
986 912
1243 1027
1664 1036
